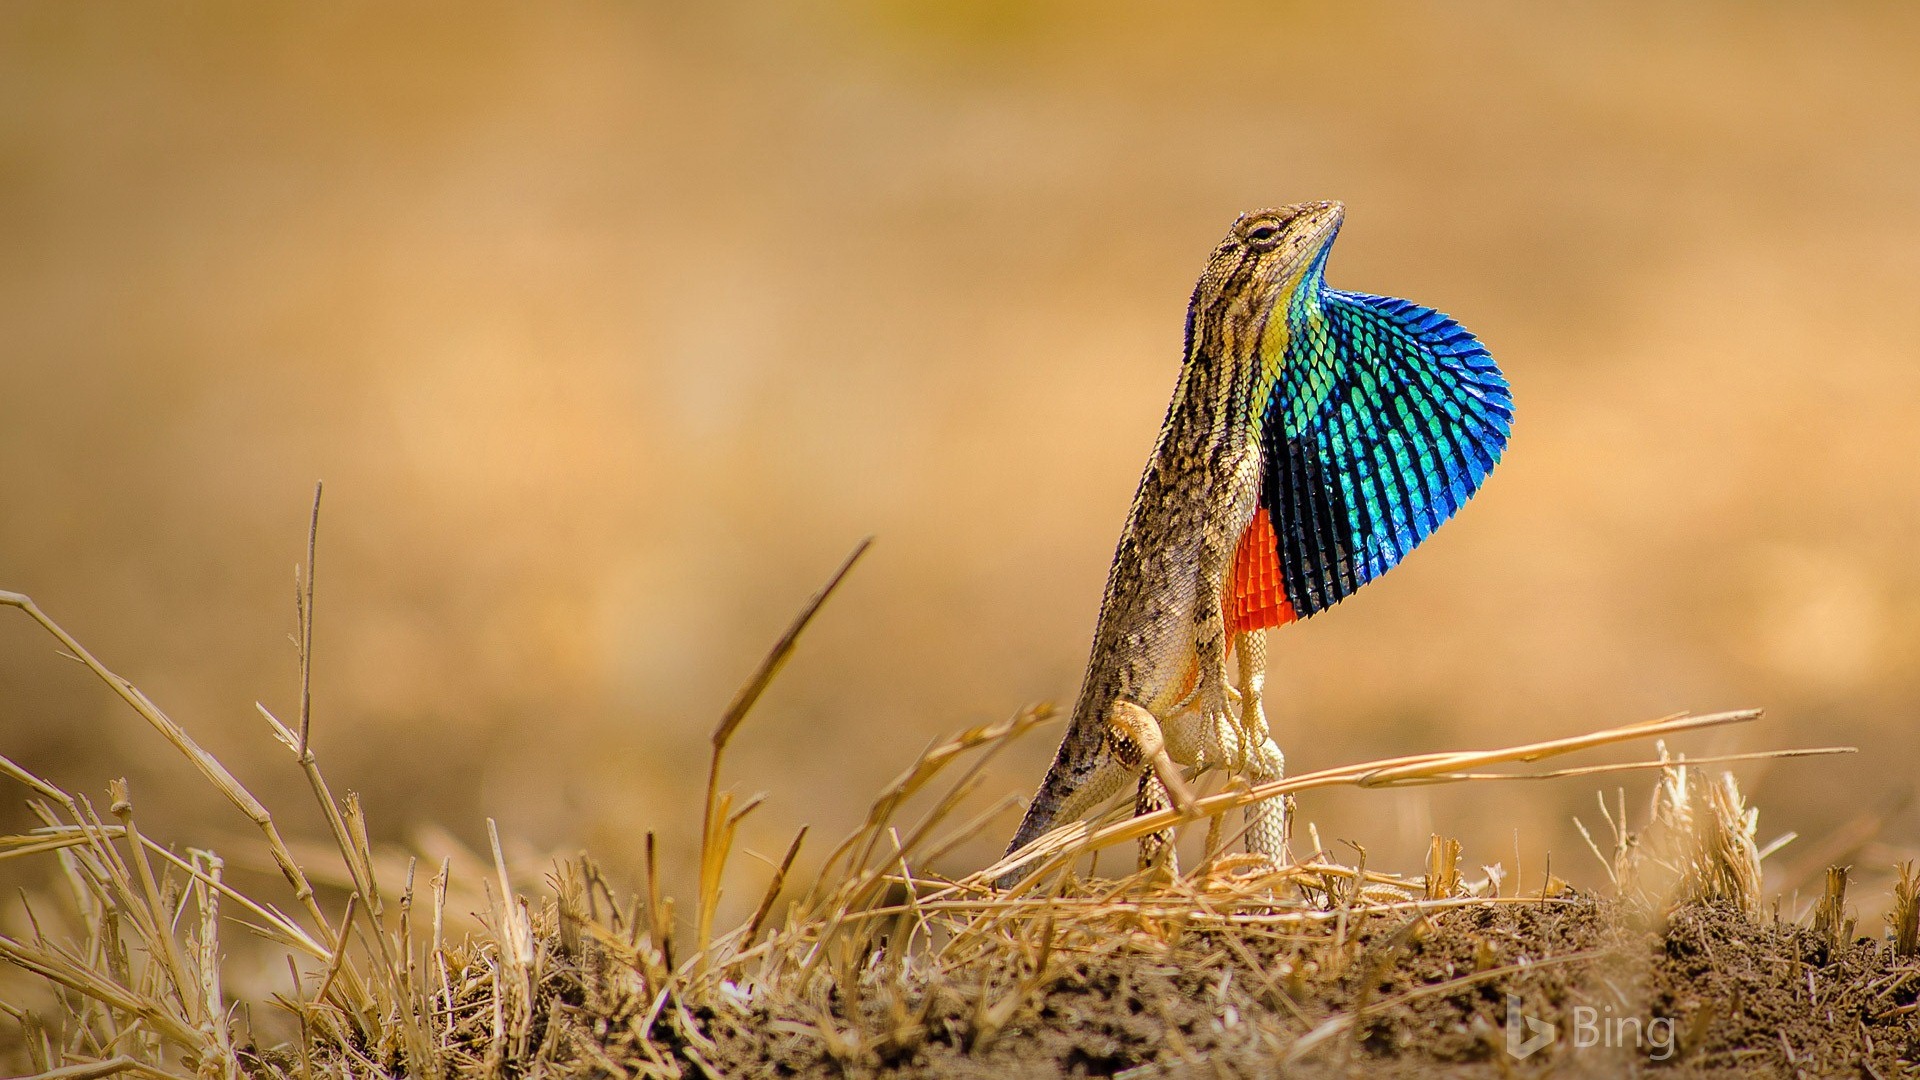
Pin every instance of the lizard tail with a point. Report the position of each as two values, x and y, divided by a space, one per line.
1077 780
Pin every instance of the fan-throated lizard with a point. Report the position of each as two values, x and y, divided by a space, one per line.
1315 436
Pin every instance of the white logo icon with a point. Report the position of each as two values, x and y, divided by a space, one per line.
1526 1034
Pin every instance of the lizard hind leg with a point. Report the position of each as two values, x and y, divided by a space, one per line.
1267 821
1157 850
1133 745
1129 742
1138 742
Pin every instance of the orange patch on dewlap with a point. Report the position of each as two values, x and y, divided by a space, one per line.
1255 596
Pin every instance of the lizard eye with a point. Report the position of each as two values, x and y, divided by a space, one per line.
1262 235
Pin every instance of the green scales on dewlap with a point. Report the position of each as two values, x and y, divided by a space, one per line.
1315 437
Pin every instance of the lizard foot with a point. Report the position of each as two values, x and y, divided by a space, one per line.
1224 743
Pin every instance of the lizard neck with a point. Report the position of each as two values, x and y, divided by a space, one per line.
1298 319
1238 341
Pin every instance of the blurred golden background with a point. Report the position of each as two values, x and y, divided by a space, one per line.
611 327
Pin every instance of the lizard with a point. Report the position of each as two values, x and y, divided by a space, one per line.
1315 436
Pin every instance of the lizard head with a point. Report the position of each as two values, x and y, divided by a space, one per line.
1256 270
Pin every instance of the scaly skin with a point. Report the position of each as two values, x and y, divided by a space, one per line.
1353 425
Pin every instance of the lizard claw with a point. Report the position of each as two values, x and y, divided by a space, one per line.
1226 741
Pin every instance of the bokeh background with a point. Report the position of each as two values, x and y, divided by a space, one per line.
612 327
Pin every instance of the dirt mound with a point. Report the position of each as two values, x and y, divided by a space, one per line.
1709 992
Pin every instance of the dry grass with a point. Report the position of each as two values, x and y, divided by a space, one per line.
124 971
1903 922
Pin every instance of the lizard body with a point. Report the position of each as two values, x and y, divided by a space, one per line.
1314 437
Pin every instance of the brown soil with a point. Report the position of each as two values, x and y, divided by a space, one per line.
1744 998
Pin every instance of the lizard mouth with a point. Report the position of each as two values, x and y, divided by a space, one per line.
1320 220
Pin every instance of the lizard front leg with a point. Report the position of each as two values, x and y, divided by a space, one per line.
1250 650
1266 821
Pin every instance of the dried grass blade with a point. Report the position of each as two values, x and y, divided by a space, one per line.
1552 747
95 1070
1050 851
743 702
773 889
